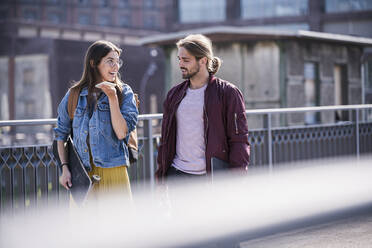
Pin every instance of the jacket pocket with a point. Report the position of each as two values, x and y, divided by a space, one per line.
104 112
240 123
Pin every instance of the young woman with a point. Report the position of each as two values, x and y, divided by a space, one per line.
103 118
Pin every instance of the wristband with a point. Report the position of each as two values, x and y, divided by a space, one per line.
66 163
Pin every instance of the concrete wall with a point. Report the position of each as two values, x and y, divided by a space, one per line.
350 27
326 56
4 74
255 68
252 67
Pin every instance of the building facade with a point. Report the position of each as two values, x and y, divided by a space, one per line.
35 73
54 32
126 20
284 69
121 21
351 17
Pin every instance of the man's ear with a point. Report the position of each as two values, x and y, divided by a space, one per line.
91 62
204 60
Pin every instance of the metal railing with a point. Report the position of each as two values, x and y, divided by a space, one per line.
29 173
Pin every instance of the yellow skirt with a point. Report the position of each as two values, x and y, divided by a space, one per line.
113 180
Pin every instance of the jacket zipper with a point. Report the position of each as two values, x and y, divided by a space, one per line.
236 123
206 117
206 127
172 116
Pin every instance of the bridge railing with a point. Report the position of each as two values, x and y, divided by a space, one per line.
29 172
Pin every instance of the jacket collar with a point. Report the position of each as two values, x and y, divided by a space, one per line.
212 79
84 91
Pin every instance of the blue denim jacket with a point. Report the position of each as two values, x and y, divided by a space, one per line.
107 150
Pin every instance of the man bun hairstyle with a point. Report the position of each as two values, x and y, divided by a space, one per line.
214 65
200 46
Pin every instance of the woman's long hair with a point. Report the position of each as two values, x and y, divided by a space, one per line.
200 46
91 75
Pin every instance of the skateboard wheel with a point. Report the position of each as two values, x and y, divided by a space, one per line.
96 178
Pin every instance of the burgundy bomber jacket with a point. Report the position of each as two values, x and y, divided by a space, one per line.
225 125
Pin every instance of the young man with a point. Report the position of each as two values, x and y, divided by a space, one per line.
204 116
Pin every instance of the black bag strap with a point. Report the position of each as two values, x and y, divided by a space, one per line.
72 102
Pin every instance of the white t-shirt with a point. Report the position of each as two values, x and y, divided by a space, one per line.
190 150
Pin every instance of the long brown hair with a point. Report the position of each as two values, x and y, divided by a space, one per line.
200 46
91 75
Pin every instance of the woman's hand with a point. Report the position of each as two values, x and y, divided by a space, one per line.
119 124
65 178
109 90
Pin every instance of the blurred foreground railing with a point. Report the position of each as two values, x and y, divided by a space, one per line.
29 173
323 203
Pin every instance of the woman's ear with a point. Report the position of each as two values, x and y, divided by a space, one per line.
91 62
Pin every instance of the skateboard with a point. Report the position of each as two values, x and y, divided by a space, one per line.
82 183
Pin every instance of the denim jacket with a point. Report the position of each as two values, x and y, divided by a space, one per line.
107 150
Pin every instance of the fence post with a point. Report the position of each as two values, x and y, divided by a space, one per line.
149 149
267 125
357 132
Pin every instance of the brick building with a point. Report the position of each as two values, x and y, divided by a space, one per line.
56 32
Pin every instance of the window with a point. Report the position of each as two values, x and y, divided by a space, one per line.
54 17
332 6
29 1
368 74
84 19
30 14
368 86
124 21
28 76
53 2
104 20
341 90
191 11
3 14
82 2
291 27
103 3
148 4
30 109
273 8
123 3
311 91
150 22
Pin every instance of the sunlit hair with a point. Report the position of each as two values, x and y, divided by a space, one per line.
200 46
91 75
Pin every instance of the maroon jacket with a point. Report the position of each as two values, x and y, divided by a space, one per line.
225 125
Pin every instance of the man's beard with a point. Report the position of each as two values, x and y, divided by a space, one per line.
192 72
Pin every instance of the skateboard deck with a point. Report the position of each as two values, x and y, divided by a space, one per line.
81 182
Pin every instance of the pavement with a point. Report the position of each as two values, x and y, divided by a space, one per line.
353 232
